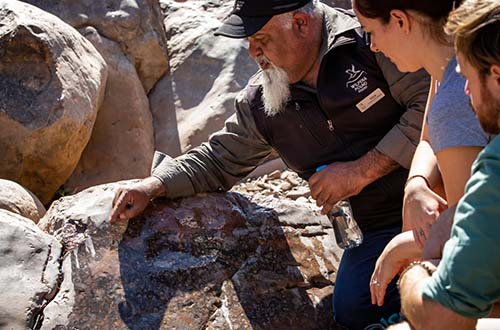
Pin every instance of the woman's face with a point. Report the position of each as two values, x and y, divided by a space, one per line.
393 39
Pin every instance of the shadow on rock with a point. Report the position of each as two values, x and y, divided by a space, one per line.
214 261
218 261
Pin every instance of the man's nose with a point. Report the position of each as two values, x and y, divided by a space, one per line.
373 46
253 49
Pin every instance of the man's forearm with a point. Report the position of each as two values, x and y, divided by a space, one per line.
424 314
410 290
374 165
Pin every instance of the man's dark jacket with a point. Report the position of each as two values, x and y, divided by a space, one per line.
361 102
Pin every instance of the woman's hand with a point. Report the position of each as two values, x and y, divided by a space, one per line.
400 251
421 207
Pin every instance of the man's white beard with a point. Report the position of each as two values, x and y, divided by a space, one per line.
275 88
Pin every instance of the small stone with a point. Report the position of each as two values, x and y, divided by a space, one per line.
294 181
274 175
302 199
285 174
299 192
285 186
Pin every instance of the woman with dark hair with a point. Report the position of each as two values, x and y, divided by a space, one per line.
411 33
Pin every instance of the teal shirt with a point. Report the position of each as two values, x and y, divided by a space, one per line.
467 280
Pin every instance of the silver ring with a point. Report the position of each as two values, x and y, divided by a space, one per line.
376 283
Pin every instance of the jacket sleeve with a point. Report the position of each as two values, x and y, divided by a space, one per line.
410 90
228 156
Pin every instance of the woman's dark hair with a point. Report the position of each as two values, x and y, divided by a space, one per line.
436 12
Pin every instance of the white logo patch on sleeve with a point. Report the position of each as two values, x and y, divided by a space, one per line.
370 100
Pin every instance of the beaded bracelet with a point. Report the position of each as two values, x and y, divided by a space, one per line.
413 264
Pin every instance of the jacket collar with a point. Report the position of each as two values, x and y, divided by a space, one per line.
335 23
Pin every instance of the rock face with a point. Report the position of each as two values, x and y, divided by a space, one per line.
16 199
122 143
29 273
51 85
206 73
217 261
129 35
134 24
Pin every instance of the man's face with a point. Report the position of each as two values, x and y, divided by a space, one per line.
278 49
282 45
484 93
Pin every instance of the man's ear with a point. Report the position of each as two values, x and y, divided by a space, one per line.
495 74
301 23
402 20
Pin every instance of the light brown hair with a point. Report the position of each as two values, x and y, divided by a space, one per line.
475 25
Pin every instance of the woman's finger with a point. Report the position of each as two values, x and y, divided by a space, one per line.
373 292
381 289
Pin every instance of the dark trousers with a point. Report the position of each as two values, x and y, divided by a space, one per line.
351 297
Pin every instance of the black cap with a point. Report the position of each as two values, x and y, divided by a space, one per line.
249 16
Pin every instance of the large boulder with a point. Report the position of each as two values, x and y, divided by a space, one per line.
15 198
51 84
216 261
29 275
136 25
122 142
206 73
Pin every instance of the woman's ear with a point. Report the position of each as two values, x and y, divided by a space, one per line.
402 19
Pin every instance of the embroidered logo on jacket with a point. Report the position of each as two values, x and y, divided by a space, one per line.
357 79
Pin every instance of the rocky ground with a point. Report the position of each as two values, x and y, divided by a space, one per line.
280 184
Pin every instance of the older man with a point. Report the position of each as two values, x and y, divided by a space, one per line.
321 98
467 281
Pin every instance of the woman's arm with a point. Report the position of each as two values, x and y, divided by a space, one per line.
422 204
455 164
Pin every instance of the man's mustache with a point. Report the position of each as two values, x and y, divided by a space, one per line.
263 61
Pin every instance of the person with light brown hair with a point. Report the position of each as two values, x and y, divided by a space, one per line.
466 283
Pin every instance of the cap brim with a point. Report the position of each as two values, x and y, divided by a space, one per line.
241 27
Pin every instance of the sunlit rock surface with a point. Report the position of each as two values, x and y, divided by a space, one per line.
29 271
51 85
215 261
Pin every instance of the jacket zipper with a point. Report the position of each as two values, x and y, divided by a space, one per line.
330 125
329 121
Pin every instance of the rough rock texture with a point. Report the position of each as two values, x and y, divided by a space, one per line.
206 73
134 24
15 198
122 142
217 261
29 271
51 85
